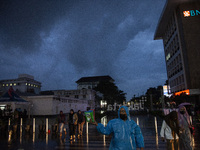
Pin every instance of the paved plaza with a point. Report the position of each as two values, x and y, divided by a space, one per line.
91 141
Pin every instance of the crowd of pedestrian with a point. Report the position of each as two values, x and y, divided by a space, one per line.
75 121
177 129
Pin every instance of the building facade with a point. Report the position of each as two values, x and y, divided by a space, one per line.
92 82
179 29
24 83
53 104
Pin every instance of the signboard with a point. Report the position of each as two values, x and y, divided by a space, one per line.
190 13
166 90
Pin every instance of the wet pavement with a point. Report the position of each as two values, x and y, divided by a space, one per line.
149 125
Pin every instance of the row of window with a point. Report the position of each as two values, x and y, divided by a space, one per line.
177 81
70 101
176 70
172 48
178 88
18 84
175 66
171 28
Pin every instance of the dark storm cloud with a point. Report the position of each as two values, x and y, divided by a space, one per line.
57 39
22 21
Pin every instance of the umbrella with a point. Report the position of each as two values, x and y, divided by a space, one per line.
184 104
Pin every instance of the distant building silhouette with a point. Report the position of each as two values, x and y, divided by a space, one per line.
180 31
92 82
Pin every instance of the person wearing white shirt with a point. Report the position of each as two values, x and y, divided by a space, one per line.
170 131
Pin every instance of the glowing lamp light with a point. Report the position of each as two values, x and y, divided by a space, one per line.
187 92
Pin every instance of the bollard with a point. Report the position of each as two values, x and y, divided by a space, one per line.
104 136
21 122
47 138
46 125
86 127
33 125
137 121
33 137
156 129
157 141
87 138
9 124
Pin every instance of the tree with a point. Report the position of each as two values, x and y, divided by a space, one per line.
110 92
154 94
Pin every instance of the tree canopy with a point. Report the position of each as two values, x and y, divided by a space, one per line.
110 92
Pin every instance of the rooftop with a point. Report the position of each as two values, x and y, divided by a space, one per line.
95 79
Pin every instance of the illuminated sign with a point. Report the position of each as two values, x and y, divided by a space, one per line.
166 91
190 13
187 92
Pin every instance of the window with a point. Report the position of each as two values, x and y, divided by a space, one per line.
76 96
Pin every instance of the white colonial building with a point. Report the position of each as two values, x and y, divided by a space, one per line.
61 100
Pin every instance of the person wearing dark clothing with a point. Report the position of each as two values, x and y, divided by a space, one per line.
72 121
185 123
81 122
61 121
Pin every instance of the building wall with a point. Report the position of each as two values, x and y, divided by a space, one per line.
191 38
82 94
87 85
24 83
51 104
181 45
173 56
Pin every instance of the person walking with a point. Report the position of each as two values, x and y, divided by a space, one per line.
72 121
61 122
81 122
185 125
126 134
170 131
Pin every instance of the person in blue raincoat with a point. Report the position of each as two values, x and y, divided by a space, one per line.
126 134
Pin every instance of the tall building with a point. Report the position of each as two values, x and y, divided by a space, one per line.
179 28
24 83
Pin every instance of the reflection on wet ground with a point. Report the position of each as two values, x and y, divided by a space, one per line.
150 127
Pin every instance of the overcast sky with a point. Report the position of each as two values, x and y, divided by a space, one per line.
60 41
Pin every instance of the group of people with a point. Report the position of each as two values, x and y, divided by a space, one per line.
177 130
127 135
73 120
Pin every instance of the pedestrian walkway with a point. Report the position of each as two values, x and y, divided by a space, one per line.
91 141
